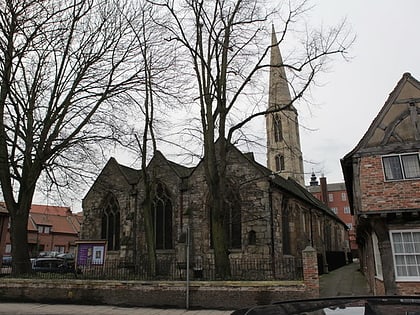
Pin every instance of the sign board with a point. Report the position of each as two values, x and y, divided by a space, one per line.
90 252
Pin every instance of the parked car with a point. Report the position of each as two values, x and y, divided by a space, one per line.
7 261
53 265
66 256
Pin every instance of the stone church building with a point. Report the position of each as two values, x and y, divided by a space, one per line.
271 217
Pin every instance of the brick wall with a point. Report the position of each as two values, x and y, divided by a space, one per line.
408 288
310 271
377 194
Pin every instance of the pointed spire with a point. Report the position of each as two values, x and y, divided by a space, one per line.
279 93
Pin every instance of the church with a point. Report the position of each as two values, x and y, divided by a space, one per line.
270 218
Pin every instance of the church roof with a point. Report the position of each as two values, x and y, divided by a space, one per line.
131 174
294 188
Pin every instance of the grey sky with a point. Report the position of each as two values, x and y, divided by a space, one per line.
352 93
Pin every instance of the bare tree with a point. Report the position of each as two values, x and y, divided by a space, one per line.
63 66
226 41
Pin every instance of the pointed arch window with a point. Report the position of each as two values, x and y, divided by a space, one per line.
277 128
111 223
279 163
162 218
231 218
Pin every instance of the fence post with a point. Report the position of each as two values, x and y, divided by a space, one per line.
310 271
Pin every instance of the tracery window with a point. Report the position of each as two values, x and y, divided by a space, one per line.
111 223
277 128
162 217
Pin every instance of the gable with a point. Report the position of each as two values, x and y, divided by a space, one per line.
398 122
113 175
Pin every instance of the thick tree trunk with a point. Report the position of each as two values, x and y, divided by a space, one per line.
19 239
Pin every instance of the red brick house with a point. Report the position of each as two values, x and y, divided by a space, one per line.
50 228
382 175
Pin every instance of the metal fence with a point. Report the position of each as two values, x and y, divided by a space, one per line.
288 268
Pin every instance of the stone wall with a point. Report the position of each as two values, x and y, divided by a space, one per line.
208 295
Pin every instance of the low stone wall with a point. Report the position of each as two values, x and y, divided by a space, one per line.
209 295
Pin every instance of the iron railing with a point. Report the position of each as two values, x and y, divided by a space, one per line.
288 268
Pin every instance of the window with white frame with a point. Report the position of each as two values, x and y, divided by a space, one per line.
330 197
406 253
401 166
335 210
347 209
377 256
343 196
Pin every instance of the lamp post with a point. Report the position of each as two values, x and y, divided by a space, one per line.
187 252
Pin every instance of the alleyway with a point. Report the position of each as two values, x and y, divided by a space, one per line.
345 281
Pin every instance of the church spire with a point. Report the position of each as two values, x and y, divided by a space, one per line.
284 155
279 93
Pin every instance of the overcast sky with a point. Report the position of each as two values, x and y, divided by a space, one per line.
352 94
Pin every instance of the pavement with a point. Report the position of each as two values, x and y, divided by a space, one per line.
70 309
345 281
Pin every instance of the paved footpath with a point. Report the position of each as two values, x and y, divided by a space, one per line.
70 309
345 281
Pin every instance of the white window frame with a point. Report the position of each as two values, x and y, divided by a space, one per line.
402 165
343 196
335 210
330 197
406 251
377 257
347 210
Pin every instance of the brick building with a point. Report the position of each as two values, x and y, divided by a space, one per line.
382 175
334 195
50 228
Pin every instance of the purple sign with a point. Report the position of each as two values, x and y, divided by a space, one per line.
90 253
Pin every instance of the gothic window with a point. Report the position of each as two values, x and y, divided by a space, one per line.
232 218
162 218
111 223
277 128
279 163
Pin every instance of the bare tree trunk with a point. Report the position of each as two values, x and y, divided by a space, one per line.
19 238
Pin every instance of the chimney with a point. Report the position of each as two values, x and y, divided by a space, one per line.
324 190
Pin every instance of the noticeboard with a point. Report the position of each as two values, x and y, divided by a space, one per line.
90 253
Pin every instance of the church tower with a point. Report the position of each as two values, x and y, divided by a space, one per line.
284 155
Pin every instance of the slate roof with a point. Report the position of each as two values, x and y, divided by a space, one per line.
294 188
331 187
